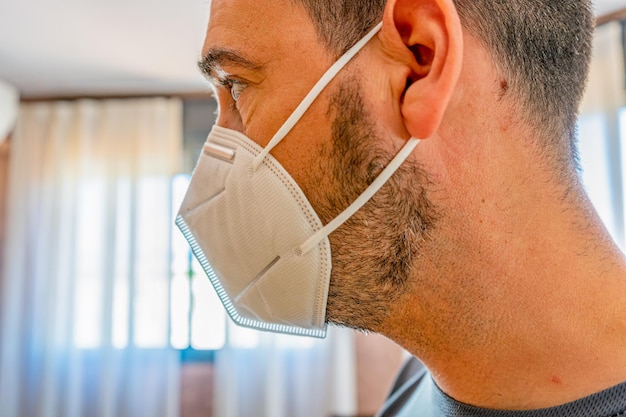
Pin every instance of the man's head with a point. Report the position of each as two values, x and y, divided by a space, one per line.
493 87
482 254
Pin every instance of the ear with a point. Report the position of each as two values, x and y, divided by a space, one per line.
426 37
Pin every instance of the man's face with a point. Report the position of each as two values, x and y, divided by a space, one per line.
263 59
270 51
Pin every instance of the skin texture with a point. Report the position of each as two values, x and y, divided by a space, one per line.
477 257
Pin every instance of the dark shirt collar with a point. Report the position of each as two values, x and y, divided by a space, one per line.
609 403
415 394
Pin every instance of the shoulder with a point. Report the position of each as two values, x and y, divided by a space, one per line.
411 377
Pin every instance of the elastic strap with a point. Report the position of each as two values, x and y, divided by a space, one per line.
384 176
313 94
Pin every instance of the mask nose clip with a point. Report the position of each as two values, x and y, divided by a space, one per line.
219 151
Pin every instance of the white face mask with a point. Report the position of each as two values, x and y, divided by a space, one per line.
256 235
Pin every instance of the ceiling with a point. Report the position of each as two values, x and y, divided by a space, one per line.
607 6
53 48
101 47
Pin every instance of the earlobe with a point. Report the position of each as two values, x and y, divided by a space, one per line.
426 37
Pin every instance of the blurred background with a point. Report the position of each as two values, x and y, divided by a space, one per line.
103 311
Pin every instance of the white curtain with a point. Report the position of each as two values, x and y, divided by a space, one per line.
266 375
84 314
600 130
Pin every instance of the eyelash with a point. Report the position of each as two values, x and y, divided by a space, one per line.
231 85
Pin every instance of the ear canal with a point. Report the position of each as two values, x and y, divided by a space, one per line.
422 54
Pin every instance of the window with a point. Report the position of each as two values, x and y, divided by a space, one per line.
198 320
602 160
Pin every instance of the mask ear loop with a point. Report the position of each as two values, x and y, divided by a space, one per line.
330 74
384 176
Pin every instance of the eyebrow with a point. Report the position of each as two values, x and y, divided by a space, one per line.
218 57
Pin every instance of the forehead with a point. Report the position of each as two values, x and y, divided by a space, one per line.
262 28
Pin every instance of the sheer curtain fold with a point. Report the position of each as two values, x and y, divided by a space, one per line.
268 375
600 130
85 285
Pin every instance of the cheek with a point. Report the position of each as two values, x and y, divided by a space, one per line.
302 151
263 113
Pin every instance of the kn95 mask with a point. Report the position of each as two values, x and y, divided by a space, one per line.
256 235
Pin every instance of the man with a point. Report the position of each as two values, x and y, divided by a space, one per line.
482 255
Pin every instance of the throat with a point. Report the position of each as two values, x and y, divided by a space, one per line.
518 328
561 344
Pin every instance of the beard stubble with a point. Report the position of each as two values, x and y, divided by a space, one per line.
374 252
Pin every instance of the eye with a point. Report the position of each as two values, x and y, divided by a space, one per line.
235 87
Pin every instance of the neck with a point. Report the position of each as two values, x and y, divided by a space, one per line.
520 277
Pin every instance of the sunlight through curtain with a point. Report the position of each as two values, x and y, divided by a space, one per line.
267 375
600 130
85 285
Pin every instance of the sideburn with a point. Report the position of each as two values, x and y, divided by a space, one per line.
374 251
